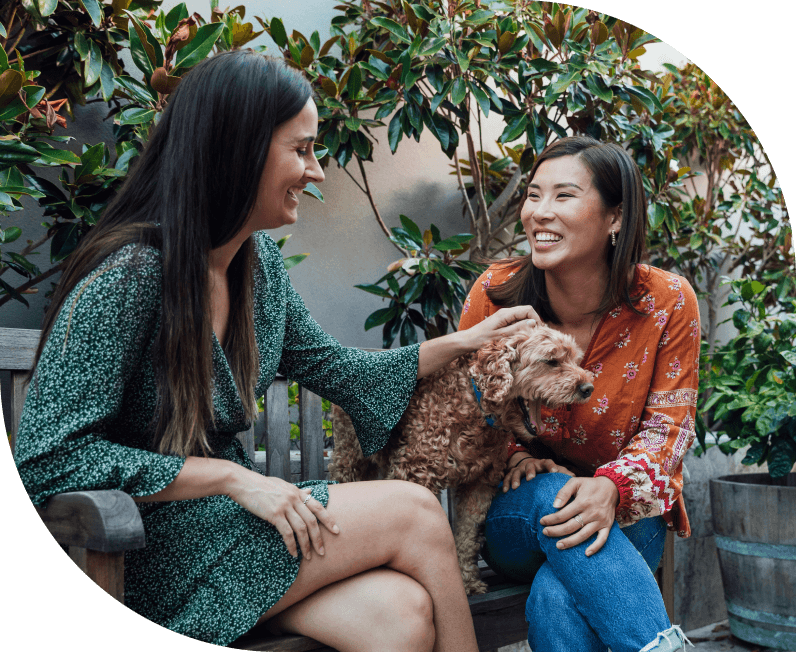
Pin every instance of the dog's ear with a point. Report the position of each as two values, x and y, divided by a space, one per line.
492 369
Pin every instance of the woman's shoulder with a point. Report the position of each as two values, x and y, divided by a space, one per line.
267 251
657 276
659 289
501 271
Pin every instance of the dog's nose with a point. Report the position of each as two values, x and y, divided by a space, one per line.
585 389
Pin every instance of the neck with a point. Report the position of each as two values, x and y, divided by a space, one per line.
220 258
575 293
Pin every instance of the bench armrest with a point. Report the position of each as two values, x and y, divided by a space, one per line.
105 521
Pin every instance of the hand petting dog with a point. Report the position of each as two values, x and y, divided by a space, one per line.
440 351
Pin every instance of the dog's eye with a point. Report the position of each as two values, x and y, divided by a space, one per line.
551 363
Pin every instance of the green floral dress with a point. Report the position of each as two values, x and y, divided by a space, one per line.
210 568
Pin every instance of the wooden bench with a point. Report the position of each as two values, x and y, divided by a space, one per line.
98 526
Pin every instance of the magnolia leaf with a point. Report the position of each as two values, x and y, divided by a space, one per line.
92 7
199 47
292 261
392 27
278 33
312 191
46 7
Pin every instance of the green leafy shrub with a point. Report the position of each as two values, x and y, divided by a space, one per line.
752 379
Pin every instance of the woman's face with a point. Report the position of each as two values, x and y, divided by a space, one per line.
565 220
290 166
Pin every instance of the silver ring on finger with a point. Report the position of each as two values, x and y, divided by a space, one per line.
579 519
531 322
307 499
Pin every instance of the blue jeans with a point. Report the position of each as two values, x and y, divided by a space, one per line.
576 602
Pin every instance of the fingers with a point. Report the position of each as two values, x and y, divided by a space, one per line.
284 529
566 492
530 467
599 542
549 466
578 537
303 519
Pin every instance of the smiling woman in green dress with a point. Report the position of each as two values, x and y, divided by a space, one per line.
172 316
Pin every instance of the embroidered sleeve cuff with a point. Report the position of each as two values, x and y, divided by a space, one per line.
514 447
623 484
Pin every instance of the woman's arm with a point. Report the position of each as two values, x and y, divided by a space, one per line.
280 503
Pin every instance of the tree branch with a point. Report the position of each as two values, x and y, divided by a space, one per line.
30 248
508 192
374 207
464 190
34 281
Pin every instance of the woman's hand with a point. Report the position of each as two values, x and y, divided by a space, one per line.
592 510
436 353
529 467
504 323
286 507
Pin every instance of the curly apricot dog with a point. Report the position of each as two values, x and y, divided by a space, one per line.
448 438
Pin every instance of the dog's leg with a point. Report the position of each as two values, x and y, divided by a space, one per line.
471 507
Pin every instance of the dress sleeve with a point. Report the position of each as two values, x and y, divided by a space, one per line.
374 388
80 384
649 471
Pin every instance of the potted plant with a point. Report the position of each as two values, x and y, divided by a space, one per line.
752 400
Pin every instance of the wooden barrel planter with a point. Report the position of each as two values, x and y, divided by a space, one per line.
754 521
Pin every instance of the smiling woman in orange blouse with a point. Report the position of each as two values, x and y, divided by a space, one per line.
578 538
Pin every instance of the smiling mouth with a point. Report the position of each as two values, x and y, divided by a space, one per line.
545 238
292 195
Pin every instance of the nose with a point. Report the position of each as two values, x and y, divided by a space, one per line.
314 172
585 389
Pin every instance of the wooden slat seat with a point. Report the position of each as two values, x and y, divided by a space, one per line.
98 526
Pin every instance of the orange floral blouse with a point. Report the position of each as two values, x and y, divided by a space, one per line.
640 420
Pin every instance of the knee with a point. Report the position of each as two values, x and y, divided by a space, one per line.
414 613
533 498
421 511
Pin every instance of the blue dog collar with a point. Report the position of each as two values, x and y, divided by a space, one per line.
490 420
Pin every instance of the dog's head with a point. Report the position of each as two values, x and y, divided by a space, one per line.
540 367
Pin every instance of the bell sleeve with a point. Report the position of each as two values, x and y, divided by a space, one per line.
81 381
648 471
374 388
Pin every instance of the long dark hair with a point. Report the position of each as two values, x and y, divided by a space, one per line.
190 191
616 177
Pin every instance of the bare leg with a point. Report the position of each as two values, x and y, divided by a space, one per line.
399 525
380 610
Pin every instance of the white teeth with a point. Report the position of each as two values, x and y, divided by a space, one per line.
548 237
292 194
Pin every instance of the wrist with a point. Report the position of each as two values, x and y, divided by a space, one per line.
611 487
517 458
231 480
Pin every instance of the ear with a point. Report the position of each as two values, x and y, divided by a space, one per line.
615 214
491 369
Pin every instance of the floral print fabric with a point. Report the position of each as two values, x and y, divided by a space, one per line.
640 420
210 568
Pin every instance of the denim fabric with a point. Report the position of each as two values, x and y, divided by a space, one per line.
576 602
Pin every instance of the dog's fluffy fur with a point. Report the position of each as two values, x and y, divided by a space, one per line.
444 439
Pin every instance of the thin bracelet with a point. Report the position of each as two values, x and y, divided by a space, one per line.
516 464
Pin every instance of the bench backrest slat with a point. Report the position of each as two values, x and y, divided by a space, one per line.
17 352
18 348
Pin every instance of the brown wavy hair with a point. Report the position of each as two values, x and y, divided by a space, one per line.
616 177
191 190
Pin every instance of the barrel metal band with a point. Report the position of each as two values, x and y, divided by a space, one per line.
754 549
761 616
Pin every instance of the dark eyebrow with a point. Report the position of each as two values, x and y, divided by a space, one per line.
308 139
558 185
